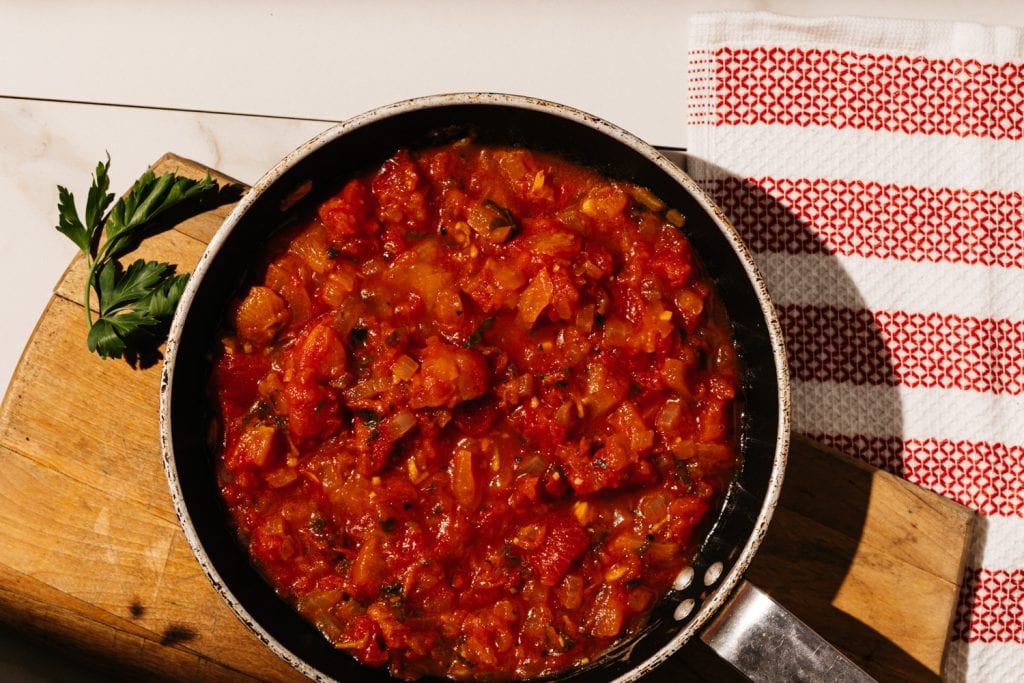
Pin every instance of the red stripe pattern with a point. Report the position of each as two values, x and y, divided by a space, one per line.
991 608
846 89
835 344
986 477
875 220
836 89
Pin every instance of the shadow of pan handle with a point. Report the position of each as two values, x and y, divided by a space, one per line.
766 642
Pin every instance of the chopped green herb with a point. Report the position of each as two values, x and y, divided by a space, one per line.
135 301
504 219
357 336
371 417
332 253
263 410
388 525
479 332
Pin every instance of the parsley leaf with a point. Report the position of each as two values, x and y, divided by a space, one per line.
136 301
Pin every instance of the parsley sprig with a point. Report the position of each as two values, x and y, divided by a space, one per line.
133 301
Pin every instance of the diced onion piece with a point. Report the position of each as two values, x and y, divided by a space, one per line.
675 218
583 512
662 552
616 572
571 218
533 465
646 198
592 270
617 332
554 243
570 591
479 217
585 319
524 385
530 536
338 285
564 413
689 303
311 246
538 183
653 507
668 416
608 614
640 599
684 449
604 391
535 297
318 601
563 308
372 386
258 445
260 315
404 368
398 424
416 475
604 201
506 277
369 568
463 481
673 373
720 387
282 476
631 423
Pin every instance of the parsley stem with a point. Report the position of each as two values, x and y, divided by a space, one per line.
87 296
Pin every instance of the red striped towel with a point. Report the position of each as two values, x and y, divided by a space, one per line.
876 169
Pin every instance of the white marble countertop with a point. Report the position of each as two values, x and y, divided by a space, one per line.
238 85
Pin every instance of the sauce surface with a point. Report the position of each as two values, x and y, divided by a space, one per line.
471 412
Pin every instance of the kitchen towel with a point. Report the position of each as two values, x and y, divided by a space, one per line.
876 170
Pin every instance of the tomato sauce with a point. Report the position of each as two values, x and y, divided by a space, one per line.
471 412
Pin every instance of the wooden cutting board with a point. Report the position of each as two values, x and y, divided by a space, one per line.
93 561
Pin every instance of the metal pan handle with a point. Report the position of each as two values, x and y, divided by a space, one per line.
766 642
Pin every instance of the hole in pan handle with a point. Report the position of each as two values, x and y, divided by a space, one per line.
766 642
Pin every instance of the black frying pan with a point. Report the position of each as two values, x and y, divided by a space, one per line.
363 142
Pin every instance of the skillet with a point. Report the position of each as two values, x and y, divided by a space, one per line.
320 166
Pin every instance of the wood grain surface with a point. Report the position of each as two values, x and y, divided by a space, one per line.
92 559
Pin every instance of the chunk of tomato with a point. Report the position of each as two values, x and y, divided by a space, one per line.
563 543
237 376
